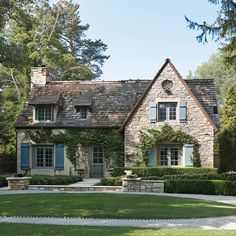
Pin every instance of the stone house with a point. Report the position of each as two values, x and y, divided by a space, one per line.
128 107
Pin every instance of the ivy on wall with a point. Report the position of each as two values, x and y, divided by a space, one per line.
110 140
149 137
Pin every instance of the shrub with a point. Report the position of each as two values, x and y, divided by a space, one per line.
148 171
229 176
3 181
204 176
201 187
110 181
54 180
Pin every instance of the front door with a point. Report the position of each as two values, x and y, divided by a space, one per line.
97 162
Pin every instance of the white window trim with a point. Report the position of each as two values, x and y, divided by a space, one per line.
172 100
169 146
55 109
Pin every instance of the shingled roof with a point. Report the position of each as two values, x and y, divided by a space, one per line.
111 102
204 91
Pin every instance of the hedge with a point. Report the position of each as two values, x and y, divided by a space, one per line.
110 181
147 171
213 187
3 181
54 180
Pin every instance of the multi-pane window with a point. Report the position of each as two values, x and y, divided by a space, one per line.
163 156
44 112
83 113
44 156
167 111
169 156
97 155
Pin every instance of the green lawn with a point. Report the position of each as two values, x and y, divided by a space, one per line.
59 230
110 206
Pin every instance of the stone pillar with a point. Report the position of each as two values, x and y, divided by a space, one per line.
18 183
131 184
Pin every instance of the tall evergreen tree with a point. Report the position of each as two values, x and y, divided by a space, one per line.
223 29
227 137
34 33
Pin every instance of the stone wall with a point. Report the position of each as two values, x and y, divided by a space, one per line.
197 124
138 185
18 183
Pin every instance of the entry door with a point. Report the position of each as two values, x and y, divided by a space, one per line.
97 162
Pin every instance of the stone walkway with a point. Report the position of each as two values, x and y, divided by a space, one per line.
218 223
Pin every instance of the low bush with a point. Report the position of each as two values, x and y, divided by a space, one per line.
149 171
54 180
218 187
207 176
110 181
3 181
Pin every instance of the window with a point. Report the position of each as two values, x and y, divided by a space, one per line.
169 156
215 110
97 155
44 112
83 113
167 111
44 156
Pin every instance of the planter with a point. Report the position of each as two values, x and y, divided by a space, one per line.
18 183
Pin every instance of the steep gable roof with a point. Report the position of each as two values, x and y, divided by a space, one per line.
112 103
191 91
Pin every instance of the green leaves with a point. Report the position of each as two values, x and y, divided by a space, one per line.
149 137
222 29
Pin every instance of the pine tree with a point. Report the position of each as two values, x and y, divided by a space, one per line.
227 136
223 29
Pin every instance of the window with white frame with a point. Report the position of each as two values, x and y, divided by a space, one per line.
44 156
83 113
167 111
44 112
169 155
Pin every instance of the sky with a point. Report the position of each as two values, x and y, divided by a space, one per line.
141 34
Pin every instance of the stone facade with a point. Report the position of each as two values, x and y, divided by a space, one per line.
197 123
18 183
83 159
116 105
138 185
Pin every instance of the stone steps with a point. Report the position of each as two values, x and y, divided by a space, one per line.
76 188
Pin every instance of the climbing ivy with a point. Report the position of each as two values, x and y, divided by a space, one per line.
150 136
110 140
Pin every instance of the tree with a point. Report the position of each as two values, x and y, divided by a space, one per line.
223 29
34 33
215 69
59 42
227 136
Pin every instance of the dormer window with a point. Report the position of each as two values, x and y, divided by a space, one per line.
83 105
44 112
46 107
83 113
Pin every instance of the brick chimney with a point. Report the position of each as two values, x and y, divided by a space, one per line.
40 76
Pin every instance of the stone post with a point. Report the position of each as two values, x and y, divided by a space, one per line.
18 183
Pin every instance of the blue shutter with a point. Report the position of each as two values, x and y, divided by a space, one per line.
59 157
183 112
33 156
152 112
151 156
188 154
25 156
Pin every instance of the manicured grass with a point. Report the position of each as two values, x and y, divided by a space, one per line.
110 206
59 230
